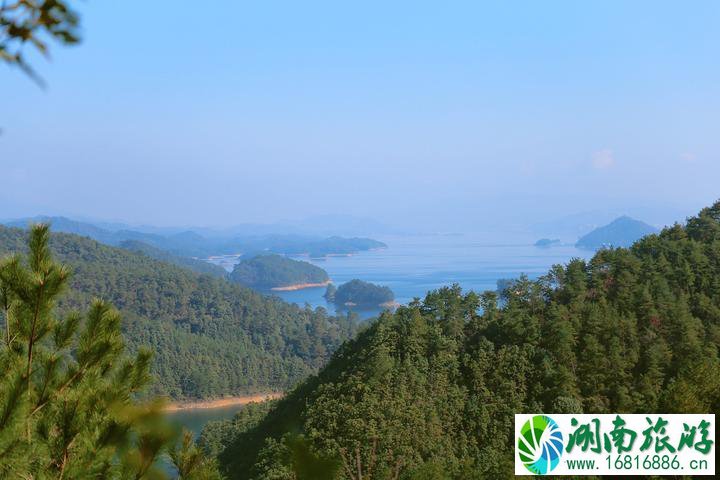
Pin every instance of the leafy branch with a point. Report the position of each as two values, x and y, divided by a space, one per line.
35 24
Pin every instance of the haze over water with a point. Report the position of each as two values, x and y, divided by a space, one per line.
413 265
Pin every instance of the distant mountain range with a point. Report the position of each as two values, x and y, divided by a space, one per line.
621 232
190 243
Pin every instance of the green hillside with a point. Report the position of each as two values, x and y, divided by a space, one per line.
430 391
273 271
210 337
198 266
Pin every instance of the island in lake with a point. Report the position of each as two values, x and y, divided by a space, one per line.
547 242
621 232
359 294
275 272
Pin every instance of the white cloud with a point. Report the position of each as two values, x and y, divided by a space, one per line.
603 159
688 157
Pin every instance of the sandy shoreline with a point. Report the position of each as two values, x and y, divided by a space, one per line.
300 286
391 304
222 402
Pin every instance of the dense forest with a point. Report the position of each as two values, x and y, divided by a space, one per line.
265 272
199 266
430 390
210 337
357 293
71 403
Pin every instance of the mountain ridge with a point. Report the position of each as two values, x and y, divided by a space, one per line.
431 390
212 337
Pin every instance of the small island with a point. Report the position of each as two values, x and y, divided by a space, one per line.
621 232
278 273
547 242
359 294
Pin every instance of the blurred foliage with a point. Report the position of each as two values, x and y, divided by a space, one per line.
34 23
68 392
66 389
190 461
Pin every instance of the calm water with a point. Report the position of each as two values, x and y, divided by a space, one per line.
413 265
195 420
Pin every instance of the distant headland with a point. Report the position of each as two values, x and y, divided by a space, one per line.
621 232
278 273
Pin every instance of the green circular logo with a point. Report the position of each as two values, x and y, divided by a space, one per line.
540 444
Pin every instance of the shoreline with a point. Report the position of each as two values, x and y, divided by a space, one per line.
391 304
300 286
221 402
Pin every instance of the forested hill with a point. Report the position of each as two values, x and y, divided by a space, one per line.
430 391
199 266
210 337
275 271
361 294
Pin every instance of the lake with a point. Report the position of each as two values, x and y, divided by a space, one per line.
413 265
195 419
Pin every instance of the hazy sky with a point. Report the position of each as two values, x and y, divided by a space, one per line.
450 113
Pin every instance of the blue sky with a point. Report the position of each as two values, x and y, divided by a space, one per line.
454 114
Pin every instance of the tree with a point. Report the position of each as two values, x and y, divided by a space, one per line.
190 461
68 406
35 23
430 390
209 337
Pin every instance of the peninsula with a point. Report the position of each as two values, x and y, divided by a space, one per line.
278 273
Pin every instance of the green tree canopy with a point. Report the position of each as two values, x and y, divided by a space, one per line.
68 406
430 390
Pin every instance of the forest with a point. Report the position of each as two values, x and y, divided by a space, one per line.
265 272
437 120
210 337
199 266
357 293
430 390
